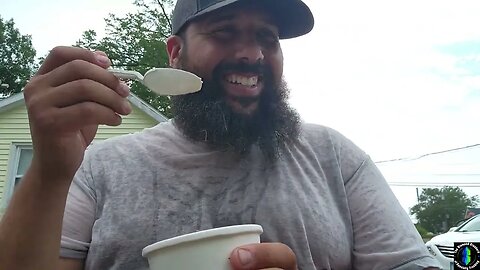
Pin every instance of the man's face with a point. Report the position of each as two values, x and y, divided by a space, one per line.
229 38
243 98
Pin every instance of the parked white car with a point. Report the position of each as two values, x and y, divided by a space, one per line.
441 246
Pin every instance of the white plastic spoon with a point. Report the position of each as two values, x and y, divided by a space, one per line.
163 81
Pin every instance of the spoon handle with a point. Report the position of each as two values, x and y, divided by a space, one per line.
126 74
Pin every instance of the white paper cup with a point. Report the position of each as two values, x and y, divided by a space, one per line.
203 250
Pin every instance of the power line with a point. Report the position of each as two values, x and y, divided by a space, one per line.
429 154
432 184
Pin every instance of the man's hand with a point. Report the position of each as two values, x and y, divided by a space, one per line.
263 256
67 99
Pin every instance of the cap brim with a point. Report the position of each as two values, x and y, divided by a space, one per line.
293 17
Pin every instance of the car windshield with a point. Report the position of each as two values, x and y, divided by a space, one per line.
471 225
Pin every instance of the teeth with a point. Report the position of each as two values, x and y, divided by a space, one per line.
246 81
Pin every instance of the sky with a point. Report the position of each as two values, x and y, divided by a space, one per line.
400 78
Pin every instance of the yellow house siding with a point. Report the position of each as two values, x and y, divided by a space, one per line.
134 122
14 128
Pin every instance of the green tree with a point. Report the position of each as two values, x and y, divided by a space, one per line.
422 231
440 209
137 41
17 58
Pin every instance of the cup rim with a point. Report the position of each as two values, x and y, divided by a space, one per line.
195 236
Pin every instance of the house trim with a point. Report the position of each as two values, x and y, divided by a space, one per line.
17 99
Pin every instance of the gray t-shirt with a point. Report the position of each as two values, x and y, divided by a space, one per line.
324 198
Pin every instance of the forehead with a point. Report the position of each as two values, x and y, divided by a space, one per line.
236 13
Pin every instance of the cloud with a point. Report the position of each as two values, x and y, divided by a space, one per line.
376 71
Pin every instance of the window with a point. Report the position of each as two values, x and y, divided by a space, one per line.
473 225
24 159
19 161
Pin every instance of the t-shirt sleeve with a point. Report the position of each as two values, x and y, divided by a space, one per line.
384 236
78 218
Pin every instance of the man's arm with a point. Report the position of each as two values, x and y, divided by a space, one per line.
69 97
31 227
70 264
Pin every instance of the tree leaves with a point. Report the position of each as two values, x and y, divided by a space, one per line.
439 209
17 58
137 41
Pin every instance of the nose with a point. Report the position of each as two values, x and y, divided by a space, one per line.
250 52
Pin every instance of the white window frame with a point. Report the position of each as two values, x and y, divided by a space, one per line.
12 169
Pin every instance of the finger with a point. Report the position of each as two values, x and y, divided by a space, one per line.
264 255
101 52
83 115
89 133
86 91
80 69
61 55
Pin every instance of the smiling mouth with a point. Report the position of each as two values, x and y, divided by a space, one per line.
243 84
243 91
243 80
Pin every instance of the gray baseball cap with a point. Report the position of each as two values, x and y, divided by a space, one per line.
292 17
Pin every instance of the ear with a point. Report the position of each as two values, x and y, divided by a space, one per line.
174 47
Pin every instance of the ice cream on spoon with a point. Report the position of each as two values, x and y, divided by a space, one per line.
163 81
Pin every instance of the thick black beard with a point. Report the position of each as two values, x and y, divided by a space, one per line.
206 116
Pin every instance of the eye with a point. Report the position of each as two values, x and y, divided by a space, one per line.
225 32
267 37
